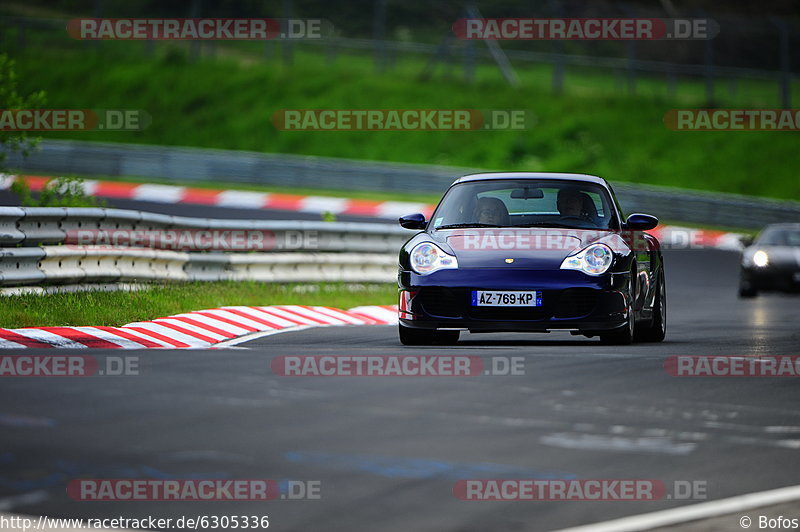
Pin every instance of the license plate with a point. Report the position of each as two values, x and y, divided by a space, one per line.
506 298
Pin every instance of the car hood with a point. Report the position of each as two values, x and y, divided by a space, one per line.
530 248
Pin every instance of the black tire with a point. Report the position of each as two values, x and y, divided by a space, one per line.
746 291
622 336
658 327
746 288
411 336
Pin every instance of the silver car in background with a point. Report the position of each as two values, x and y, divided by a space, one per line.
771 262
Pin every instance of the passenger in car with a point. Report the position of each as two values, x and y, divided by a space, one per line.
491 211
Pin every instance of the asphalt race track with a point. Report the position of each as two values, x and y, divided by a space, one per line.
388 450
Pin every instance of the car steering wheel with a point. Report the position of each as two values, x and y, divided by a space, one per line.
581 219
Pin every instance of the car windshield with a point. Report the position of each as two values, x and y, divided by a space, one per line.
526 203
779 236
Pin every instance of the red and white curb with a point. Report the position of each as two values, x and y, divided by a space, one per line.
677 237
671 237
240 199
201 328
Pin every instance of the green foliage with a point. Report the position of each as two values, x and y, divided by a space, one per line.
65 191
10 98
228 103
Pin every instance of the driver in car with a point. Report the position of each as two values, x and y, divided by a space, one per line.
570 203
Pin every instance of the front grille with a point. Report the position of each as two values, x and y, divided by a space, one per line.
444 302
575 302
455 303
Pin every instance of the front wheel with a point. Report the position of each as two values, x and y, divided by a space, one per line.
625 334
411 336
746 288
658 326
747 293
621 336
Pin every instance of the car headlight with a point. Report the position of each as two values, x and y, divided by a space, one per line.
760 258
593 260
428 258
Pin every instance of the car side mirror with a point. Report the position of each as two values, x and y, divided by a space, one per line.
413 221
747 240
641 222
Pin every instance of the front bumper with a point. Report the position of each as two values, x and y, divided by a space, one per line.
778 278
570 301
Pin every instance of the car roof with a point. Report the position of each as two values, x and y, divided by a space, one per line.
795 225
489 176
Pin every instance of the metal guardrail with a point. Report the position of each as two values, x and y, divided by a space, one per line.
195 164
60 157
346 252
34 226
101 264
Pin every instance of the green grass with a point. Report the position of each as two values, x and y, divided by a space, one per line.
227 102
119 308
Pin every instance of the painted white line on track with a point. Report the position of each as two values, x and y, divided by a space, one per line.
694 512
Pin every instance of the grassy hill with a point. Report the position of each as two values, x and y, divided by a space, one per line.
227 102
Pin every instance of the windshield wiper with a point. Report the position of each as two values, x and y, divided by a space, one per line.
474 224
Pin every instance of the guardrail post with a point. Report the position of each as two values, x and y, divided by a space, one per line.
207 267
42 225
9 232
63 264
286 43
379 34
20 266
709 71
785 80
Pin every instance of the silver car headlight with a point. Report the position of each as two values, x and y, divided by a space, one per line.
760 258
427 258
593 260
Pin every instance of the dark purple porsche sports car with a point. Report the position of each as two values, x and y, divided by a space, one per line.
531 252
